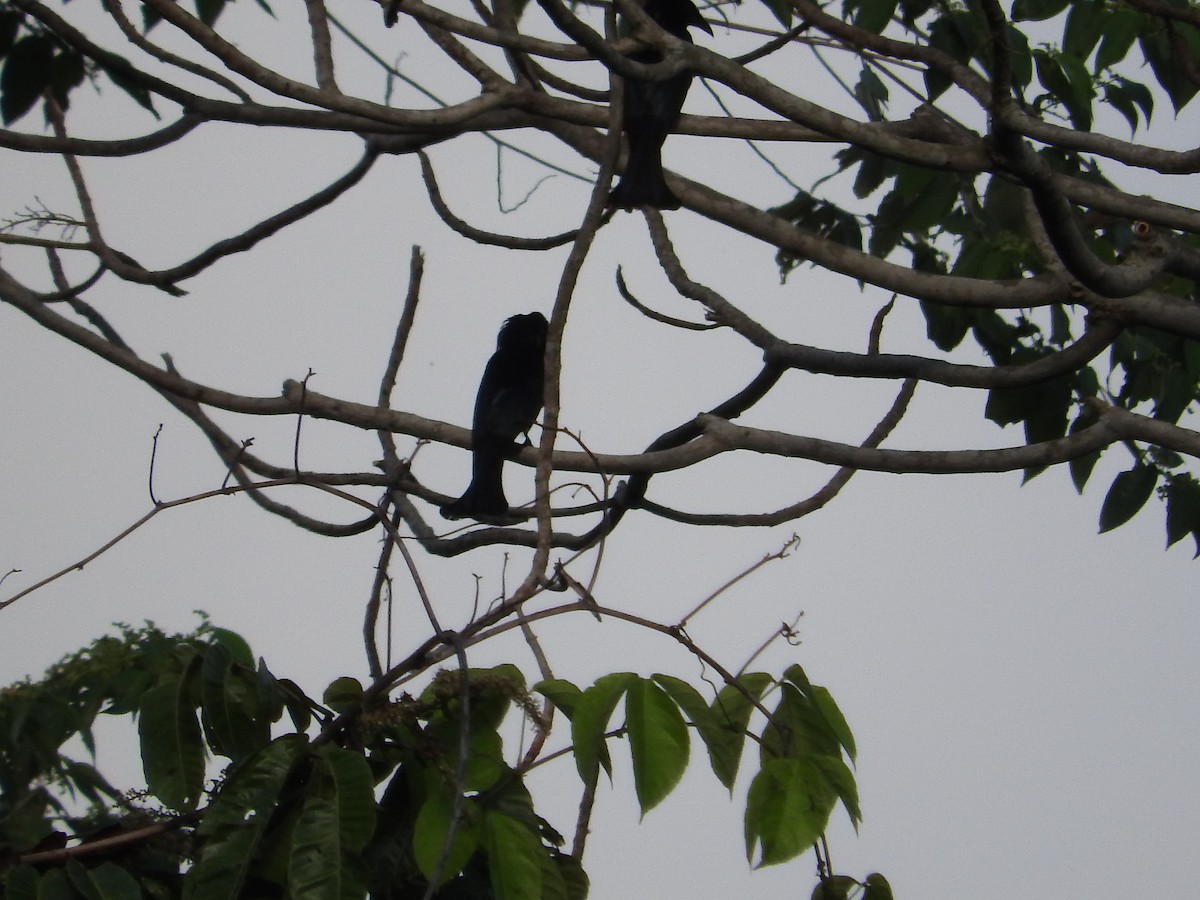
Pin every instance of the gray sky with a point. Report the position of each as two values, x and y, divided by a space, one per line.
1024 692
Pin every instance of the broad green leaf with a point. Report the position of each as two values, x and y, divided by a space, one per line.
563 694
230 712
54 885
171 743
574 878
319 866
1162 55
513 857
1121 28
237 819
21 883
352 788
876 887
1128 494
841 780
233 644
429 836
658 742
731 712
687 698
787 809
834 887
1086 23
797 729
343 694
106 881
832 714
590 721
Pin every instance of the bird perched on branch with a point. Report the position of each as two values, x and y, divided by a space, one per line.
651 110
509 399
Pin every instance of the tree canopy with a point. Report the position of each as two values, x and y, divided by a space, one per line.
999 182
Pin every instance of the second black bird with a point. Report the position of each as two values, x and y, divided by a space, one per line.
651 110
509 399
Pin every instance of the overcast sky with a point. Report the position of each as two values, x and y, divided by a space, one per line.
1023 691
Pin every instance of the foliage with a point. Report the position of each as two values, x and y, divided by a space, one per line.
982 177
297 815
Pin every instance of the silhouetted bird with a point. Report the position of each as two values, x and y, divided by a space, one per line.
651 111
509 399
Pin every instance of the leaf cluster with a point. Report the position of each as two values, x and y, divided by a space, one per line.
381 801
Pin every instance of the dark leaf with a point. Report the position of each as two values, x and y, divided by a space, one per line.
1183 510
10 24
1081 466
27 73
1086 22
1037 10
1128 494
1121 29
872 15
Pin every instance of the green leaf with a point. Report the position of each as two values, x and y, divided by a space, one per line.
353 790
21 883
1128 494
230 712
588 725
872 15
171 743
563 694
1162 53
429 836
1121 29
318 867
514 858
876 887
841 780
834 887
832 714
236 821
27 73
343 694
1037 10
55 886
731 711
658 742
336 819
106 881
1086 23
787 809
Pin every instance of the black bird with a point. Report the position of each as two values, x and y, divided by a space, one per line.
651 111
509 399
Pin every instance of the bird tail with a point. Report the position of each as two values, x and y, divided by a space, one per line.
643 184
484 496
